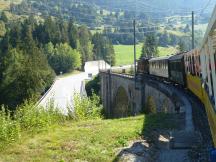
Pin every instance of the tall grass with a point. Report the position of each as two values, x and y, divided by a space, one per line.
30 118
87 107
33 118
9 128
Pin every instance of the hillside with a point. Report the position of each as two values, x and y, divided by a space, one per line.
5 4
115 20
97 140
153 5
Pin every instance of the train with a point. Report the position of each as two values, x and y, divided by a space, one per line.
194 70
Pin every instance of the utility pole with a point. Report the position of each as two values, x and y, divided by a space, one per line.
193 30
134 24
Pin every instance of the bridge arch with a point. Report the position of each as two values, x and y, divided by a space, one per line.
122 104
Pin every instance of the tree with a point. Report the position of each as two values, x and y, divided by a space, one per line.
181 46
15 35
62 58
2 29
24 76
52 31
4 17
164 39
103 48
63 27
150 48
72 34
85 47
187 28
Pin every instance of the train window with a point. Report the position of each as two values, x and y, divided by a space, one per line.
187 64
215 60
190 64
211 82
199 59
176 66
193 65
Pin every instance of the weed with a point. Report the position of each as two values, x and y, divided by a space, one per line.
9 129
87 107
33 118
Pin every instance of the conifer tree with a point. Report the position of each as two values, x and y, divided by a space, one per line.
149 48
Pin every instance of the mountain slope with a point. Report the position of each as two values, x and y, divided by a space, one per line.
155 5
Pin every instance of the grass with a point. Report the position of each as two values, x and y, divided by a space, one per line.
125 56
164 51
97 140
5 4
177 33
125 53
69 74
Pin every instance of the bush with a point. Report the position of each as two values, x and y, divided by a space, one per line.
150 105
9 129
35 118
87 107
93 85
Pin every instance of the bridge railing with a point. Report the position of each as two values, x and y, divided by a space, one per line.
130 76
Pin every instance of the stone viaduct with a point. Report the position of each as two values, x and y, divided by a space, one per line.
122 96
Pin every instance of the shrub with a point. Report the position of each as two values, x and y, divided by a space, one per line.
93 85
9 129
35 118
87 107
150 105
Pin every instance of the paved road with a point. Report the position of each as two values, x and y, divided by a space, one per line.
61 93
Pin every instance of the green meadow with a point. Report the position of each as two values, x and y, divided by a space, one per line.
125 53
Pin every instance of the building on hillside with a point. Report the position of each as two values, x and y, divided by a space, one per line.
93 67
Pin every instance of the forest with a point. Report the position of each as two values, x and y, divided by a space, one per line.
33 53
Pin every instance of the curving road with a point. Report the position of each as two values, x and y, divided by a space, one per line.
61 93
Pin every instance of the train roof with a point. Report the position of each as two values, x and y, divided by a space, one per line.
160 58
178 56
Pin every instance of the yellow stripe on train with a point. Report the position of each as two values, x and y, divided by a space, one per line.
194 84
211 115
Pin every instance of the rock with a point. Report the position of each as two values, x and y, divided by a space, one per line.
139 151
